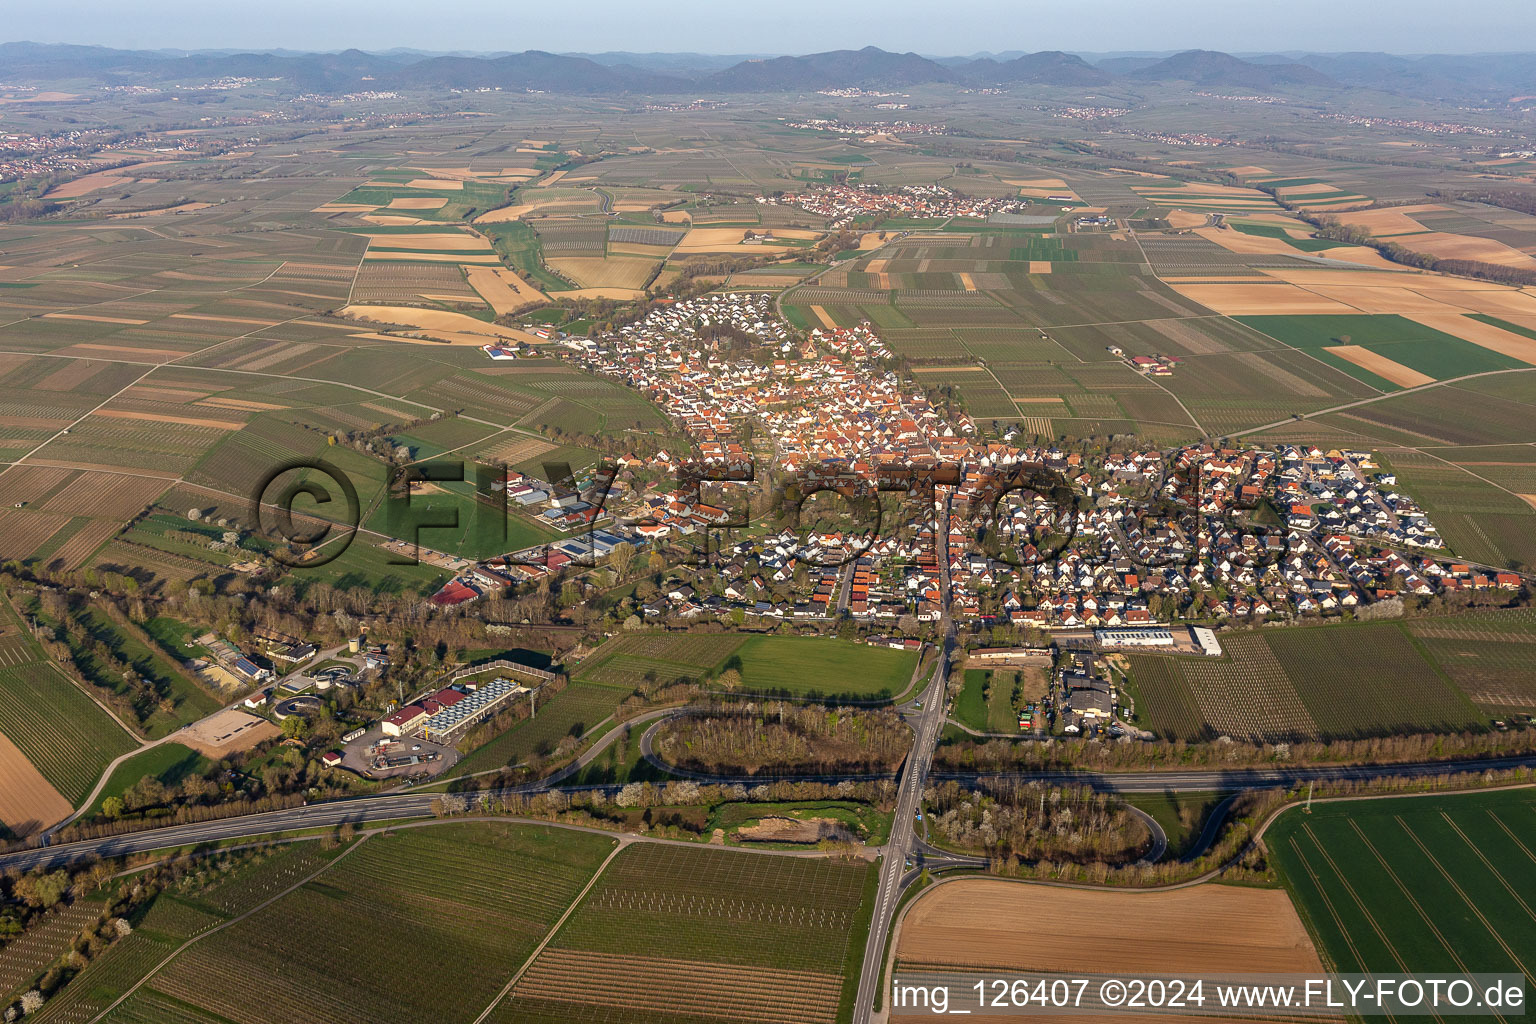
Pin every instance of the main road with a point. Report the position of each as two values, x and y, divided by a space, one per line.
904 840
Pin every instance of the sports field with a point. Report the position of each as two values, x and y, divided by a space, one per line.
1415 884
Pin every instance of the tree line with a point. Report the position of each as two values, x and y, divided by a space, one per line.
1031 821
785 738
1006 755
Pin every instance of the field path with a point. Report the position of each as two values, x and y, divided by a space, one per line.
1375 398
1198 425
153 367
619 847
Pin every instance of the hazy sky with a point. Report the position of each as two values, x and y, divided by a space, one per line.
783 26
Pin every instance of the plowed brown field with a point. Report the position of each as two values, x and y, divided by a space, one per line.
27 802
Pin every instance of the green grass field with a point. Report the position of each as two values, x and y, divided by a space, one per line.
169 763
1182 815
987 712
366 565
571 712
1404 341
671 933
1278 231
621 763
1415 884
518 246
479 529
812 666
789 665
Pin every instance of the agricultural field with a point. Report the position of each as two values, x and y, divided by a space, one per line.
27 957
94 989
974 925
62 731
50 725
1386 351
1339 681
771 937
616 272
1414 884
1488 654
414 195
392 893
570 714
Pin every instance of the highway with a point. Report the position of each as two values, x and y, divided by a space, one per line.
323 815
1218 780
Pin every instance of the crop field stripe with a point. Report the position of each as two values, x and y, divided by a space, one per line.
1488 864
1513 838
1467 899
1408 896
618 847
225 924
1339 876
1336 919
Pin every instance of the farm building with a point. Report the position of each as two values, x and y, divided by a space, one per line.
1009 655
1155 636
1090 700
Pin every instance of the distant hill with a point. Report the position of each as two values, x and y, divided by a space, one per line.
869 68
1211 68
1491 77
1126 65
1048 67
685 65
534 69
1485 78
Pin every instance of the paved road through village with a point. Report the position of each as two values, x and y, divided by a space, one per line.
904 840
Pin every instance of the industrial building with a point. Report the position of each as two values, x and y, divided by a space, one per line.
449 723
1156 636
1206 638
